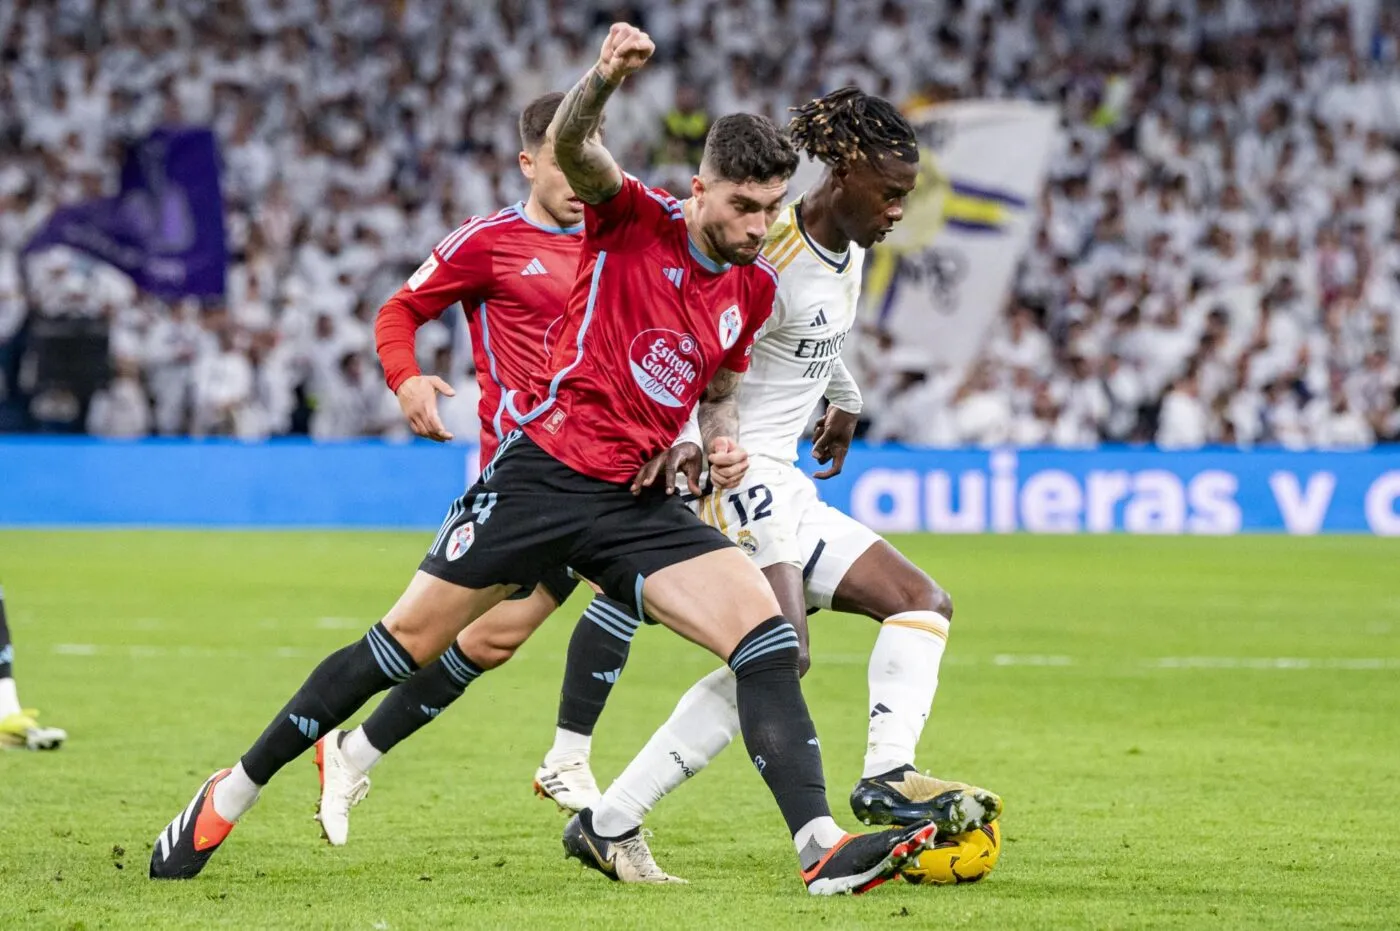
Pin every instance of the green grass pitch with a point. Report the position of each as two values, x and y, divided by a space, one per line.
1187 733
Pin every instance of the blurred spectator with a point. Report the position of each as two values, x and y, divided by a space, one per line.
122 409
1217 257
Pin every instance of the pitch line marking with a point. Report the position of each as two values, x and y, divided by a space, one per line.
1267 663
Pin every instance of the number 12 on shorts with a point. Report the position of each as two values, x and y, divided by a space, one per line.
759 512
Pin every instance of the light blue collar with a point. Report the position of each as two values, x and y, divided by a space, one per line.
705 261
557 230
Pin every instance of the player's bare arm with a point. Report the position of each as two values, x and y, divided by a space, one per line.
718 416
578 146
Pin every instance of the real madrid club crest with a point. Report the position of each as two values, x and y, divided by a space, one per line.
461 540
730 323
747 543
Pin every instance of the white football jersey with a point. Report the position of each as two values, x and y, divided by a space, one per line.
798 350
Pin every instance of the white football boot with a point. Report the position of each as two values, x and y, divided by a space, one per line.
625 859
568 782
342 788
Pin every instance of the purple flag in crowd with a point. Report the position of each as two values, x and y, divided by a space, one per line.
166 227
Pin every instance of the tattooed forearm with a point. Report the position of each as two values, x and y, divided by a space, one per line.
578 147
718 413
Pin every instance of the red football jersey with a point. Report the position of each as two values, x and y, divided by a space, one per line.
513 278
649 322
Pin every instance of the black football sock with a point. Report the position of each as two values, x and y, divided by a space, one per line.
412 704
778 731
597 653
336 689
7 650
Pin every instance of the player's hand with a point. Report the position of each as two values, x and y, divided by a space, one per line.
683 457
625 50
418 401
831 440
728 462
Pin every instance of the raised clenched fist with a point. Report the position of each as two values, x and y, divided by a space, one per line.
625 51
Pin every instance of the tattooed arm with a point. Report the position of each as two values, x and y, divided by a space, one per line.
718 415
574 132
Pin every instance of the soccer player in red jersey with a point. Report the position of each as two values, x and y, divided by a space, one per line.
511 272
661 319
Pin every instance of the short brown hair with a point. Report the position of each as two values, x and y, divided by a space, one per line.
535 119
743 147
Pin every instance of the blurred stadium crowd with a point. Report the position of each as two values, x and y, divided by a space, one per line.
1218 259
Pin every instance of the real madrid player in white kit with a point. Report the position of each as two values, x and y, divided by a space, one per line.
813 555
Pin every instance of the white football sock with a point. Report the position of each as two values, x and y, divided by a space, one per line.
705 721
903 676
824 830
568 745
9 698
235 794
360 753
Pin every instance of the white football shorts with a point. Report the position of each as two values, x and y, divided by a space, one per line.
776 517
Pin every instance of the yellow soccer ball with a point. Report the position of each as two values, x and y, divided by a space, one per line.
962 858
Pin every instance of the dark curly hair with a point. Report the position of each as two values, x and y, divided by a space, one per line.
849 125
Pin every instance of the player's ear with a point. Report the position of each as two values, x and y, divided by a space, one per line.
527 165
697 187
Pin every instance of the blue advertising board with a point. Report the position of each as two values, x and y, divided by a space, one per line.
86 482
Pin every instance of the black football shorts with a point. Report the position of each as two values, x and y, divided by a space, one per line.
530 515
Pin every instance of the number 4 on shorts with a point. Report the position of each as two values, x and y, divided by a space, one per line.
482 505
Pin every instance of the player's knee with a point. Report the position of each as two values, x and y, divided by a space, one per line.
488 652
419 641
489 657
487 648
804 661
917 592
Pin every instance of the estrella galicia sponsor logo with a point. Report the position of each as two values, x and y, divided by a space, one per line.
666 365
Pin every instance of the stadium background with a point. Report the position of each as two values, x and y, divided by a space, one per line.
1185 240
1188 732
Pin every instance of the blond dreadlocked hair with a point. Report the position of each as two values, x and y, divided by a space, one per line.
848 125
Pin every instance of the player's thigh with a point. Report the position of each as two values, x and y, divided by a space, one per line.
761 517
494 637
881 582
432 611
832 544
713 599
785 579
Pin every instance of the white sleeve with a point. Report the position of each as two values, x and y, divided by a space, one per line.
690 433
842 391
